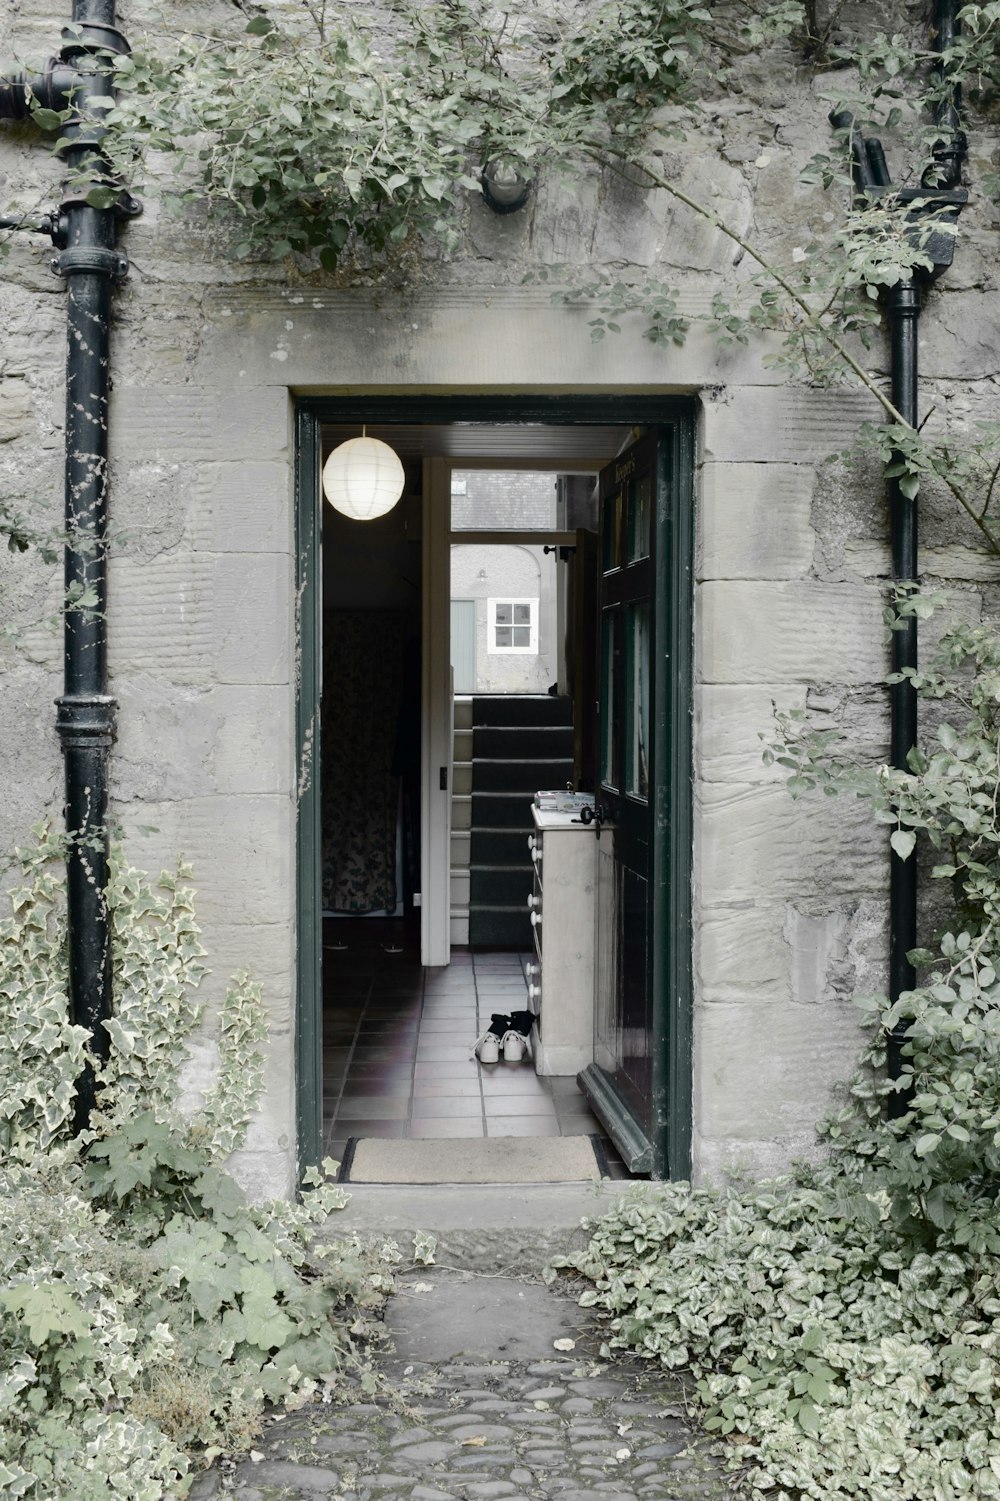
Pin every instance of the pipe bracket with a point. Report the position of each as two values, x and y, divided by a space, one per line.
86 719
79 259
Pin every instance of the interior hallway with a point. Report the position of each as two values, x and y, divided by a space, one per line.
398 1046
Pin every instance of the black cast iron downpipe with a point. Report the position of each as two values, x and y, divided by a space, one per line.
90 263
904 315
938 199
951 146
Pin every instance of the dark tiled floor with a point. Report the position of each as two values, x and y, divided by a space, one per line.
398 1044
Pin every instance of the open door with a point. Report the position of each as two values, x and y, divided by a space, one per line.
627 1083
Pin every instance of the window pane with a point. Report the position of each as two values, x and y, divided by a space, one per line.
504 635
640 494
610 543
637 702
611 629
504 614
522 614
497 500
522 636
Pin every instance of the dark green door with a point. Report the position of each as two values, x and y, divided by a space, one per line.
627 1083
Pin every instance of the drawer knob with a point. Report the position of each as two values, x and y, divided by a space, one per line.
536 918
534 991
534 901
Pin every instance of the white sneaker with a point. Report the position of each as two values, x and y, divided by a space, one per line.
488 1048
513 1045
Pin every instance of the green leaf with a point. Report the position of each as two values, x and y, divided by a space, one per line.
102 198
926 1144
903 841
47 119
260 26
808 1419
46 1308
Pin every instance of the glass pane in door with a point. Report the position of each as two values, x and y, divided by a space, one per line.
611 645
611 555
637 701
640 493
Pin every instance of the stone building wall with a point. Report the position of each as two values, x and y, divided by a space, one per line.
792 557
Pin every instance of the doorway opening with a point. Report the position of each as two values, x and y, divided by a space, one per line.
434 631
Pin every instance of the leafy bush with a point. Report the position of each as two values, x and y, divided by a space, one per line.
843 1323
147 1311
368 131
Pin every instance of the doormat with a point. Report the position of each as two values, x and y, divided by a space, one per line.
478 1159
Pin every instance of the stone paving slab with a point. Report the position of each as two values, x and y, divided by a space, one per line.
479 1405
488 1228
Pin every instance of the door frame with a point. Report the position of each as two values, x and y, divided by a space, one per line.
672 854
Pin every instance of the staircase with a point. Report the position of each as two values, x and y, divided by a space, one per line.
506 748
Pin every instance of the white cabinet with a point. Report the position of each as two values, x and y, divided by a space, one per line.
561 974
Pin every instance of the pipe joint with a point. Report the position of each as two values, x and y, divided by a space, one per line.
86 720
904 299
92 38
52 89
946 170
91 259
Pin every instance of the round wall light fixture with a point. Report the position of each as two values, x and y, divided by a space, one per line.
504 187
363 478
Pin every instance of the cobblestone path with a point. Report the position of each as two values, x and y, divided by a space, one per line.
471 1428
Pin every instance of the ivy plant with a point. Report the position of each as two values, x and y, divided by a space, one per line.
147 1310
841 1322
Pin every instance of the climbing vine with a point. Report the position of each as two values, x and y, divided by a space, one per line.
354 141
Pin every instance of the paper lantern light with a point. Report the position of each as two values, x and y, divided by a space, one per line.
363 478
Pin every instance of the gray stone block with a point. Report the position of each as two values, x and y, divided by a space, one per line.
204 617
740 954
240 847
17 409
767 1072
786 425
243 507
782 632
755 840
730 721
755 521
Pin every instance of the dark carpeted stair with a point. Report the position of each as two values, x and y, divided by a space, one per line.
520 743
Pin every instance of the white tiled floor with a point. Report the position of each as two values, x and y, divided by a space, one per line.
398 1049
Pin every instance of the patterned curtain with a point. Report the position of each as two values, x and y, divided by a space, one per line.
363 660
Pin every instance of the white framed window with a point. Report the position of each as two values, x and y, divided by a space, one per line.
512 626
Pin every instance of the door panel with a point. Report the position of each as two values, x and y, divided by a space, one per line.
606 960
629 1020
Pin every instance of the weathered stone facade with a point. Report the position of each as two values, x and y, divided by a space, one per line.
790 898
